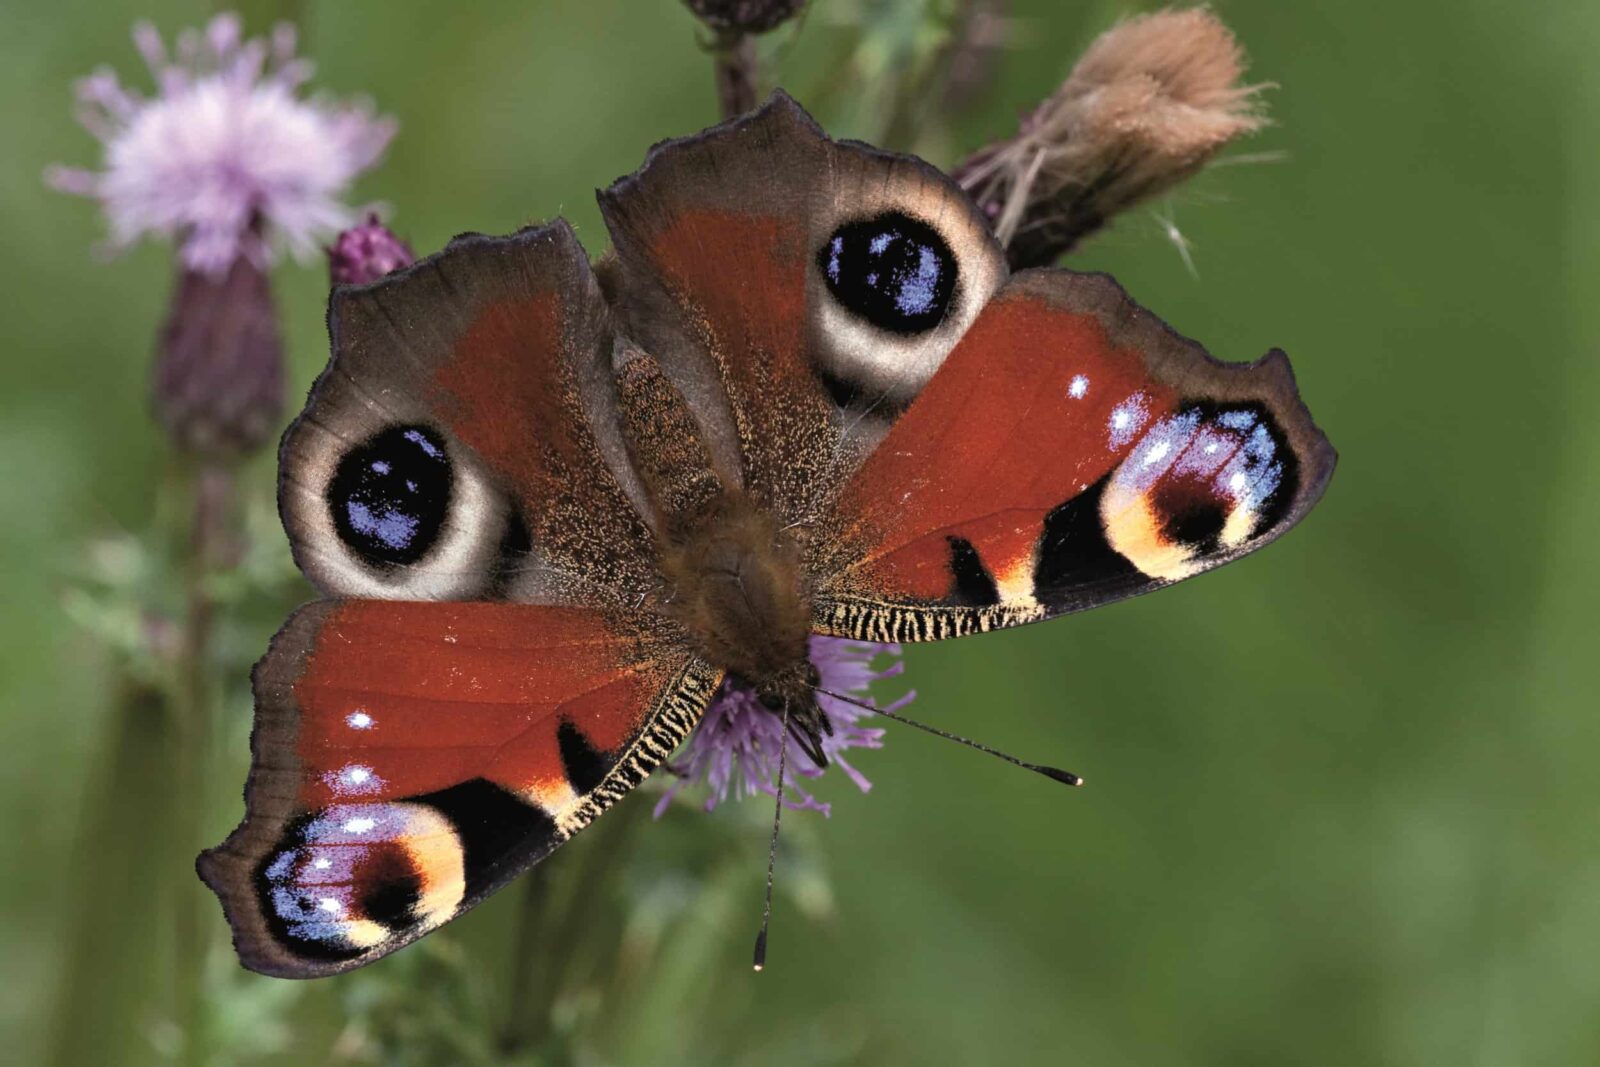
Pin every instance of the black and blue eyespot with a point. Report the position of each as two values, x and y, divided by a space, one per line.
896 272
391 494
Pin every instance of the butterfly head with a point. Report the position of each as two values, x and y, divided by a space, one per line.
792 694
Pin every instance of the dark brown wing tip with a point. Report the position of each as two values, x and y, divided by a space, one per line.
226 873
348 304
780 117
1317 455
557 231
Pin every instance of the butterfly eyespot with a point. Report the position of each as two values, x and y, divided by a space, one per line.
1201 483
892 270
892 291
349 877
391 494
406 512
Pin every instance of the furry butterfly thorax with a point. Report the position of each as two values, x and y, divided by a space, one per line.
551 506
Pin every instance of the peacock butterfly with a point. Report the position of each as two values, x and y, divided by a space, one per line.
553 504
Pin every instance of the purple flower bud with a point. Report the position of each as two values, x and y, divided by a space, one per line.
218 385
366 253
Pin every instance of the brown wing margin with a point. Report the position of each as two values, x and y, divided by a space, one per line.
411 758
1072 451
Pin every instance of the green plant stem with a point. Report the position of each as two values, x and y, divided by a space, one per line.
208 548
548 931
113 946
526 1024
736 73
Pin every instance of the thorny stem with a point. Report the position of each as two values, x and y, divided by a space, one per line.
735 54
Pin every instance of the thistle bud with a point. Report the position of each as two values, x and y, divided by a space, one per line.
366 253
218 385
1152 101
744 16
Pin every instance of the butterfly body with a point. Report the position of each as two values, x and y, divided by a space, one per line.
553 506
731 577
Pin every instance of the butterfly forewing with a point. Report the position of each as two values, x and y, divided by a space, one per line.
799 290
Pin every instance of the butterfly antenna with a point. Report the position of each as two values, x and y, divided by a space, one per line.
1038 768
772 850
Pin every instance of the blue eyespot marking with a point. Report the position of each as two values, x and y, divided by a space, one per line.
892 270
390 495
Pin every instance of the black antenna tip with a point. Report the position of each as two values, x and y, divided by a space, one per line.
1059 775
761 950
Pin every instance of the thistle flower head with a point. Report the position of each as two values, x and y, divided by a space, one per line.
735 749
228 153
1151 102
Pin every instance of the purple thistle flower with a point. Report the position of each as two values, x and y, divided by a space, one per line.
366 252
735 748
227 153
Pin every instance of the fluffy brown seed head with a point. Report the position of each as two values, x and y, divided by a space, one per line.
1151 102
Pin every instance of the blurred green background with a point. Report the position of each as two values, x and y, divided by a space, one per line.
1342 801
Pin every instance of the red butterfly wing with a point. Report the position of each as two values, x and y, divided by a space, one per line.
1071 450
459 459
412 757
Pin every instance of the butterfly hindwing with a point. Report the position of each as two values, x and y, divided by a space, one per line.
1071 451
411 757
